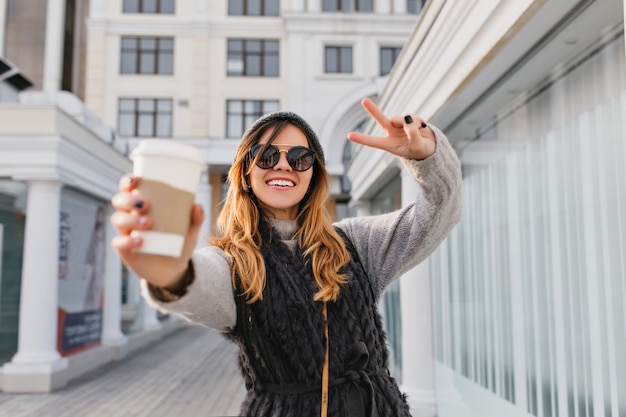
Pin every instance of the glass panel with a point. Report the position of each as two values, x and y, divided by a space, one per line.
346 60
270 106
271 46
166 63
12 228
127 104
330 59
364 5
252 106
253 46
129 43
270 65
149 6
148 44
128 62
271 7
147 63
168 6
234 106
329 5
234 126
164 125
145 105
235 45
126 124
145 125
254 7
130 6
164 105
235 7
253 65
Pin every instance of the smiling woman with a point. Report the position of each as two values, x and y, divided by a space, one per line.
296 293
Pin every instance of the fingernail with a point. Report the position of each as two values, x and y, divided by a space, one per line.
424 125
142 221
135 241
408 119
138 204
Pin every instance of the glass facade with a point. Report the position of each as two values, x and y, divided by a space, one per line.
529 289
12 223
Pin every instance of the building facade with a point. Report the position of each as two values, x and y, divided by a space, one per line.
525 300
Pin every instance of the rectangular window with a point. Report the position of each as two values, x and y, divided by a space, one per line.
415 6
253 7
147 55
338 59
388 56
347 5
252 57
240 114
145 117
149 6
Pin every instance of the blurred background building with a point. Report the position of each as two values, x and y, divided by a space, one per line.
522 310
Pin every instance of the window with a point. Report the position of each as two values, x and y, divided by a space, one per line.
252 57
242 113
388 56
145 117
338 59
347 5
253 7
149 6
414 6
147 55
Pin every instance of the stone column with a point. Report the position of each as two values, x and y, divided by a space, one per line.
112 315
314 6
418 380
399 6
203 197
3 22
53 56
297 6
37 365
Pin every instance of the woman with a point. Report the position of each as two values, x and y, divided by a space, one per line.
298 294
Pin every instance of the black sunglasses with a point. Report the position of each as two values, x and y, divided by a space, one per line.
299 158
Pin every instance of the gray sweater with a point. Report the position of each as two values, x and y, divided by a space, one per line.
388 245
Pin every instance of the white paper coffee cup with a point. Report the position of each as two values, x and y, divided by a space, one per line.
170 173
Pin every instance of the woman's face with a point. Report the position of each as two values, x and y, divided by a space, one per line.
280 189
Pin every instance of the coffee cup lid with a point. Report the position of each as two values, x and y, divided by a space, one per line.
169 148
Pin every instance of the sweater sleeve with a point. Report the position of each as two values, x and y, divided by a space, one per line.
209 299
391 244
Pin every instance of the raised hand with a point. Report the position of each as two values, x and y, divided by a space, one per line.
407 135
132 214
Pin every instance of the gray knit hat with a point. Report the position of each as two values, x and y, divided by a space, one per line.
293 119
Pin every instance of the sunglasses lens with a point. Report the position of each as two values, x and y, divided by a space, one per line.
268 159
300 158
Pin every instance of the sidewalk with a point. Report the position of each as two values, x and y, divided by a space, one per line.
191 373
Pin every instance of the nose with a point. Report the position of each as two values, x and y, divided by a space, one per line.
282 162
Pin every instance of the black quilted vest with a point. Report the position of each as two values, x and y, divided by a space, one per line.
282 346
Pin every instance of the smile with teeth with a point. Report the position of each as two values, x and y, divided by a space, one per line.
281 183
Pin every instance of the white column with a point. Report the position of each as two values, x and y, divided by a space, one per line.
53 56
37 366
203 197
314 5
418 380
399 6
97 9
112 315
363 207
297 6
150 320
3 22
382 6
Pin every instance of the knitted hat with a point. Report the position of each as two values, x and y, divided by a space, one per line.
293 119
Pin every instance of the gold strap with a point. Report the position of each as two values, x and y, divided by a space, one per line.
325 369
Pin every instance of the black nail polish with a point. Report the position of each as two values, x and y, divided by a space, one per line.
139 204
424 125
408 119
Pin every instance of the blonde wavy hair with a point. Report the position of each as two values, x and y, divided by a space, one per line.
237 231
